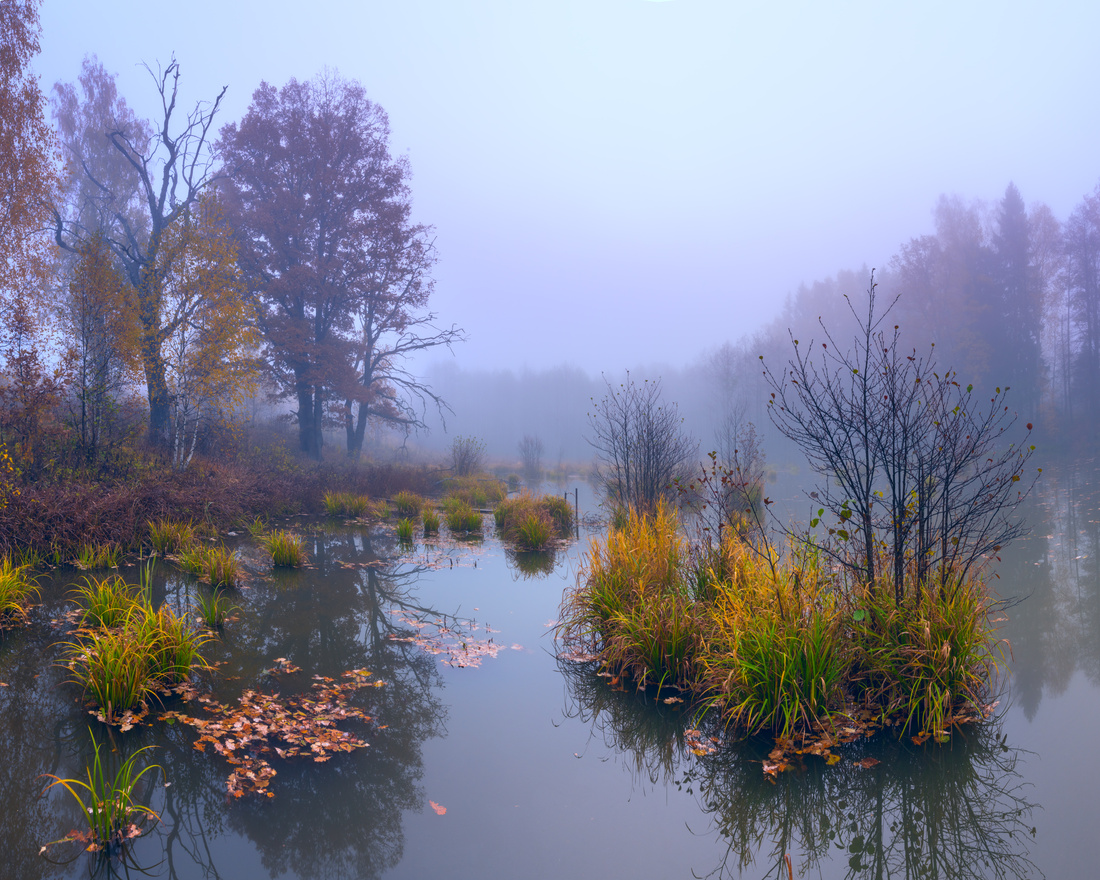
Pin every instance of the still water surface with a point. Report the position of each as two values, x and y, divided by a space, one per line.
545 771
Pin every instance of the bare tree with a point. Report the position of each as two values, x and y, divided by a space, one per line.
641 447
530 452
916 467
467 455
168 169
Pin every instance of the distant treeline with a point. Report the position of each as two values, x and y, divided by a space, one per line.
1008 296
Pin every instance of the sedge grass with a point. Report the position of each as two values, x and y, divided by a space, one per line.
407 504
777 643
405 530
287 549
346 504
221 567
257 528
213 608
17 587
463 518
125 650
430 518
92 557
107 602
924 657
478 491
531 523
170 536
107 802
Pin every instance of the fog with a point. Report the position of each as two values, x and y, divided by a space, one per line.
628 184
622 182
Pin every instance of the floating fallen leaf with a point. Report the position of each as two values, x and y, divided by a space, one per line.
439 809
671 700
247 734
867 763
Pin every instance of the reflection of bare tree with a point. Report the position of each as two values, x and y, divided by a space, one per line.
649 738
343 818
932 812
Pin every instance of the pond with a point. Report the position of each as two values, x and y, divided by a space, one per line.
490 757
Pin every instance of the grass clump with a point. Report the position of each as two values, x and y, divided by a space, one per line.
407 504
17 587
287 549
213 608
476 490
922 659
106 602
774 643
107 802
171 536
405 530
430 518
92 557
345 504
461 517
126 650
218 566
530 523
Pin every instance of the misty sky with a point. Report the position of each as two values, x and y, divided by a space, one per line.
627 182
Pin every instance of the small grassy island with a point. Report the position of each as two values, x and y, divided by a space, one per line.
780 643
875 613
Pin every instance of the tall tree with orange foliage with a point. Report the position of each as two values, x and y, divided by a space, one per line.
210 355
27 174
141 214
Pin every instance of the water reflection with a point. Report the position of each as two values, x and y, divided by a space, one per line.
1055 630
961 810
351 609
526 564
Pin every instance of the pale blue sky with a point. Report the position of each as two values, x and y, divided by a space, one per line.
625 182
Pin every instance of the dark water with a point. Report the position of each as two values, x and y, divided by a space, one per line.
544 770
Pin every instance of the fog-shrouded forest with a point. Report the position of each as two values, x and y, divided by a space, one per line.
1002 293
184 272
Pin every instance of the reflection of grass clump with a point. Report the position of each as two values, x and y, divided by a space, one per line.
775 644
530 522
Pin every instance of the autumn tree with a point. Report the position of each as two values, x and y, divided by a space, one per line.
342 273
140 210
27 174
210 355
103 335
